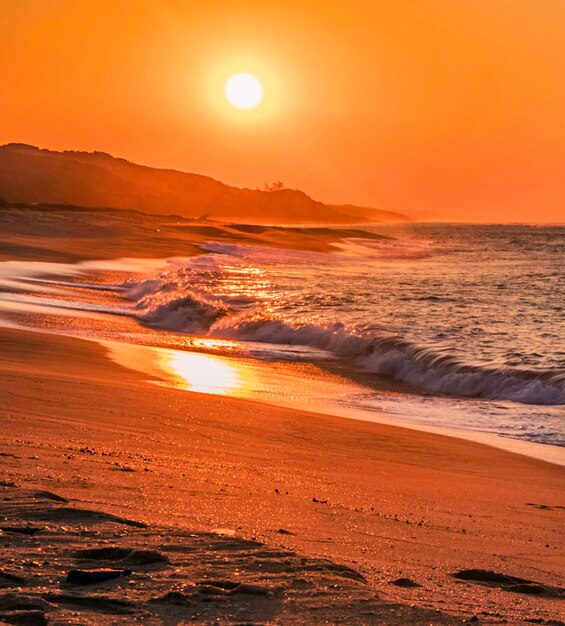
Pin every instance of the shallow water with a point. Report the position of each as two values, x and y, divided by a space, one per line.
470 317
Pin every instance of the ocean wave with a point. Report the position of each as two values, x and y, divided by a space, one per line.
427 368
165 309
442 373
434 369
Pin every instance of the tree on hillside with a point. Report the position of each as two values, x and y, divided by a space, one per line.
276 186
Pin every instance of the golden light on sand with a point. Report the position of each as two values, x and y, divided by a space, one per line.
191 371
244 91
203 373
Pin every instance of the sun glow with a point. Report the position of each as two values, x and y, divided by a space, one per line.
192 371
204 373
244 91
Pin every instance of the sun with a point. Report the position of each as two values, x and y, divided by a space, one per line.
244 91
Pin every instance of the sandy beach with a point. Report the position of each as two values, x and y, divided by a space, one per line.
281 313
317 493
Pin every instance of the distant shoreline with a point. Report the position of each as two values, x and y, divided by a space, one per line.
39 206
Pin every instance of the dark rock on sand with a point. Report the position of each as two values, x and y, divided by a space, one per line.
49 495
145 557
71 515
21 530
509 583
337 569
104 554
486 576
94 603
24 618
18 602
407 583
11 580
173 597
93 576
127 555
531 588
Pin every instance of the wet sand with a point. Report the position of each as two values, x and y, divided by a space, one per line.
324 519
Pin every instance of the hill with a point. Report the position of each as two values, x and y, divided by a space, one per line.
368 213
96 179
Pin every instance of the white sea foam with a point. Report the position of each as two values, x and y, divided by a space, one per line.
167 303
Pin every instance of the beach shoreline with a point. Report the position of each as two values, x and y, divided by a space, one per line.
137 345
390 502
294 385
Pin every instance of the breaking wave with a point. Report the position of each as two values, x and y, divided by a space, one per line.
160 303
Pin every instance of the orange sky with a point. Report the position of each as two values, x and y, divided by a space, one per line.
448 106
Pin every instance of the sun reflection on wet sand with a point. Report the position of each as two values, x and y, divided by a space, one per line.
202 372
284 384
191 371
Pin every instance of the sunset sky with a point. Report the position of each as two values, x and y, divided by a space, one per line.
449 107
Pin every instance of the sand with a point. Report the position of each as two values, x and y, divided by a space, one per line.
231 511
321 519
72 235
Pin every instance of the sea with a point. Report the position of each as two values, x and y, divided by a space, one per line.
451 328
